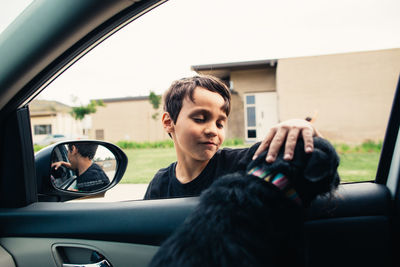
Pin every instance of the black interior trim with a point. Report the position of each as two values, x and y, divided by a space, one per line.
352 200
24 126
150 222
390 139
13 192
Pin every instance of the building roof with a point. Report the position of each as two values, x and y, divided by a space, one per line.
47 107
236 65
223 70
121 99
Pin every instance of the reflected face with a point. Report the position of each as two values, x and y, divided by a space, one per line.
200 128
72 157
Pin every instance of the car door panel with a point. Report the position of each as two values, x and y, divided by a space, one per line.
352 229
356 220
141 222
43 251
6 259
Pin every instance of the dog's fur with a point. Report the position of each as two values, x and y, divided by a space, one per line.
242 220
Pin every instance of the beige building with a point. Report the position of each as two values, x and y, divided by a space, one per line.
129 118
349 94
54 118
254 96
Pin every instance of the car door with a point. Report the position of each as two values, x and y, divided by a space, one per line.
357 228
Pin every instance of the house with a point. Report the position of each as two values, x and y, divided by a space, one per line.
52 117
350 94
127 118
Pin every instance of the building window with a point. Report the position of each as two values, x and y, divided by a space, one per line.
250 99
251 134
42 129
99 134
250 115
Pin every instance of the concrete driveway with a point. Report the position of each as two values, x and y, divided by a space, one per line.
120 192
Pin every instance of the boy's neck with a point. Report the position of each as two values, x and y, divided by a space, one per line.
186 172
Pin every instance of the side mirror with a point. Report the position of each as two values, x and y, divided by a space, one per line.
83 168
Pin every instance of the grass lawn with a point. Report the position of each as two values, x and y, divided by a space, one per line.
357 166
144 163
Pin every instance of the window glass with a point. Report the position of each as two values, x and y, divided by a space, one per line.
251 116
251 134
42 129
250 99
327 63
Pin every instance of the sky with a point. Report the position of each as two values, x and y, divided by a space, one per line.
161 46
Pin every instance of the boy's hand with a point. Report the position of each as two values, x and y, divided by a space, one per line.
288 130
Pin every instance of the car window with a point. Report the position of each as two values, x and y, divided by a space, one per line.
333 63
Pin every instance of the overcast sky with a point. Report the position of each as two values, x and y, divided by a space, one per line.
161 46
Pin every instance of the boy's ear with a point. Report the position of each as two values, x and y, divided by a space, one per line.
167 122
74 150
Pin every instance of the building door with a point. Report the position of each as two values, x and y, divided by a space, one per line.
261 113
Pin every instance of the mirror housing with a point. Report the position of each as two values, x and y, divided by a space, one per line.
48 192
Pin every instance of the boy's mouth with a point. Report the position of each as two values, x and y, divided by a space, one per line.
209 143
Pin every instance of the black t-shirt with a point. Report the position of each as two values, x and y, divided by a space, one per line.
92 179
166 185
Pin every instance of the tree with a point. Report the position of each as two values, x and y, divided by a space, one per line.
155 101
79 112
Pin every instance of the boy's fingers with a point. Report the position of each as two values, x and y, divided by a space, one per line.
317 133
265 143
308 139
291 141
276 144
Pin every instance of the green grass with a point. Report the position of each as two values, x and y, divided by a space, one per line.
356 167
36 148
144 163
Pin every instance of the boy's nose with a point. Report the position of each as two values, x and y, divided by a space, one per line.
210 130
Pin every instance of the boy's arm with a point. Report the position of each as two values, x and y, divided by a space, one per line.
58 164
287 131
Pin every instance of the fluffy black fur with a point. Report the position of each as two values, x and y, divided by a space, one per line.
242 220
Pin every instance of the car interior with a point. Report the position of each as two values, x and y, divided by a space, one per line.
359 226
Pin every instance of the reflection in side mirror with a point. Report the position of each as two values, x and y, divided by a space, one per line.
82 167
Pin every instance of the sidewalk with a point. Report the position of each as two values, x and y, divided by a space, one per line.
121 192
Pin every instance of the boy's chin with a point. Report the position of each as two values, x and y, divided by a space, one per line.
207 155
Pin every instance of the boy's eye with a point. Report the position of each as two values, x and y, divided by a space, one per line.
199 119
220 125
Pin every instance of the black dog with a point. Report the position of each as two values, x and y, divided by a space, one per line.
243 220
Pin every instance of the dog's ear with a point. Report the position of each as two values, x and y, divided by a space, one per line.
322 163
311 174
320 174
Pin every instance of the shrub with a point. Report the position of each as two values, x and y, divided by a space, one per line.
367 146
371 146
140 145
167 144
233 142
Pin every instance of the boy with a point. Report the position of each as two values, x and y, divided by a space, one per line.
196 112
90 176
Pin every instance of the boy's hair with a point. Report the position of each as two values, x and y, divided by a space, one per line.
86 150
179 89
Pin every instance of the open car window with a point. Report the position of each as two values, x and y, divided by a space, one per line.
334 63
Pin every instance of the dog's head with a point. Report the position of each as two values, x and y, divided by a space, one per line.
309 174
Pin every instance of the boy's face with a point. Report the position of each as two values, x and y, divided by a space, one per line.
200 127
72 156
